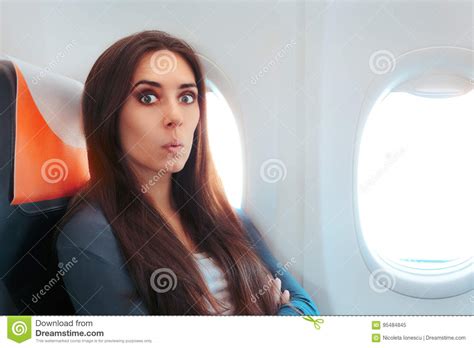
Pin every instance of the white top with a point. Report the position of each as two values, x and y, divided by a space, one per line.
216 282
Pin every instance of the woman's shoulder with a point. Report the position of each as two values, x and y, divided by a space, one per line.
93 265
89 231
249 227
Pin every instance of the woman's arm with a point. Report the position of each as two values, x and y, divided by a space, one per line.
92 263
298 296
98 282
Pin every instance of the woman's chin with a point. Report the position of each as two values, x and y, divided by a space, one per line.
170 166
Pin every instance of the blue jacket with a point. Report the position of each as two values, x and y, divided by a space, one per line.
91 260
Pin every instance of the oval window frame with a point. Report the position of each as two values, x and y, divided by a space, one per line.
426 284
220 81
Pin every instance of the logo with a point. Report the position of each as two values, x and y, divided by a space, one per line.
273 170
19 328
54 170
381 281
382 62
163 280
163 62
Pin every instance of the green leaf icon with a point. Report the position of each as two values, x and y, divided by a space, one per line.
19 328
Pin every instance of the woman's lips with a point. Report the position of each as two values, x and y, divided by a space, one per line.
172 148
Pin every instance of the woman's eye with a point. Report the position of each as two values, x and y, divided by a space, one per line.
148 98
188 98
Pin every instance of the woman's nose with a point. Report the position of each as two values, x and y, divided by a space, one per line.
172 123
173 117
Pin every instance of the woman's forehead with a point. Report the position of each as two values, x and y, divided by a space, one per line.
165 67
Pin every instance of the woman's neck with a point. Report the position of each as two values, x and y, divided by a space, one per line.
157 187
161 196
158 190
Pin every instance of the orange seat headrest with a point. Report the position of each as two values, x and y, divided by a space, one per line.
49 154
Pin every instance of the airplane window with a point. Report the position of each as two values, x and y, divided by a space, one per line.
224 141
415 187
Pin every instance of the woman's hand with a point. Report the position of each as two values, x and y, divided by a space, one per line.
280 298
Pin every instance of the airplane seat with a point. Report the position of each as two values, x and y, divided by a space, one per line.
6 304
43 162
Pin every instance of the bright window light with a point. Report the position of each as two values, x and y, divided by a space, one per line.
224 141
415 180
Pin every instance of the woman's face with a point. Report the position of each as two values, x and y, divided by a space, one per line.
159 117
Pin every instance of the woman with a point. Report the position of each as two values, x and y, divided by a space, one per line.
152 232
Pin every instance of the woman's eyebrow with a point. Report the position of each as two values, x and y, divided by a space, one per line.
158 85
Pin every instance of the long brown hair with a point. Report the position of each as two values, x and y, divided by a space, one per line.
146 239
